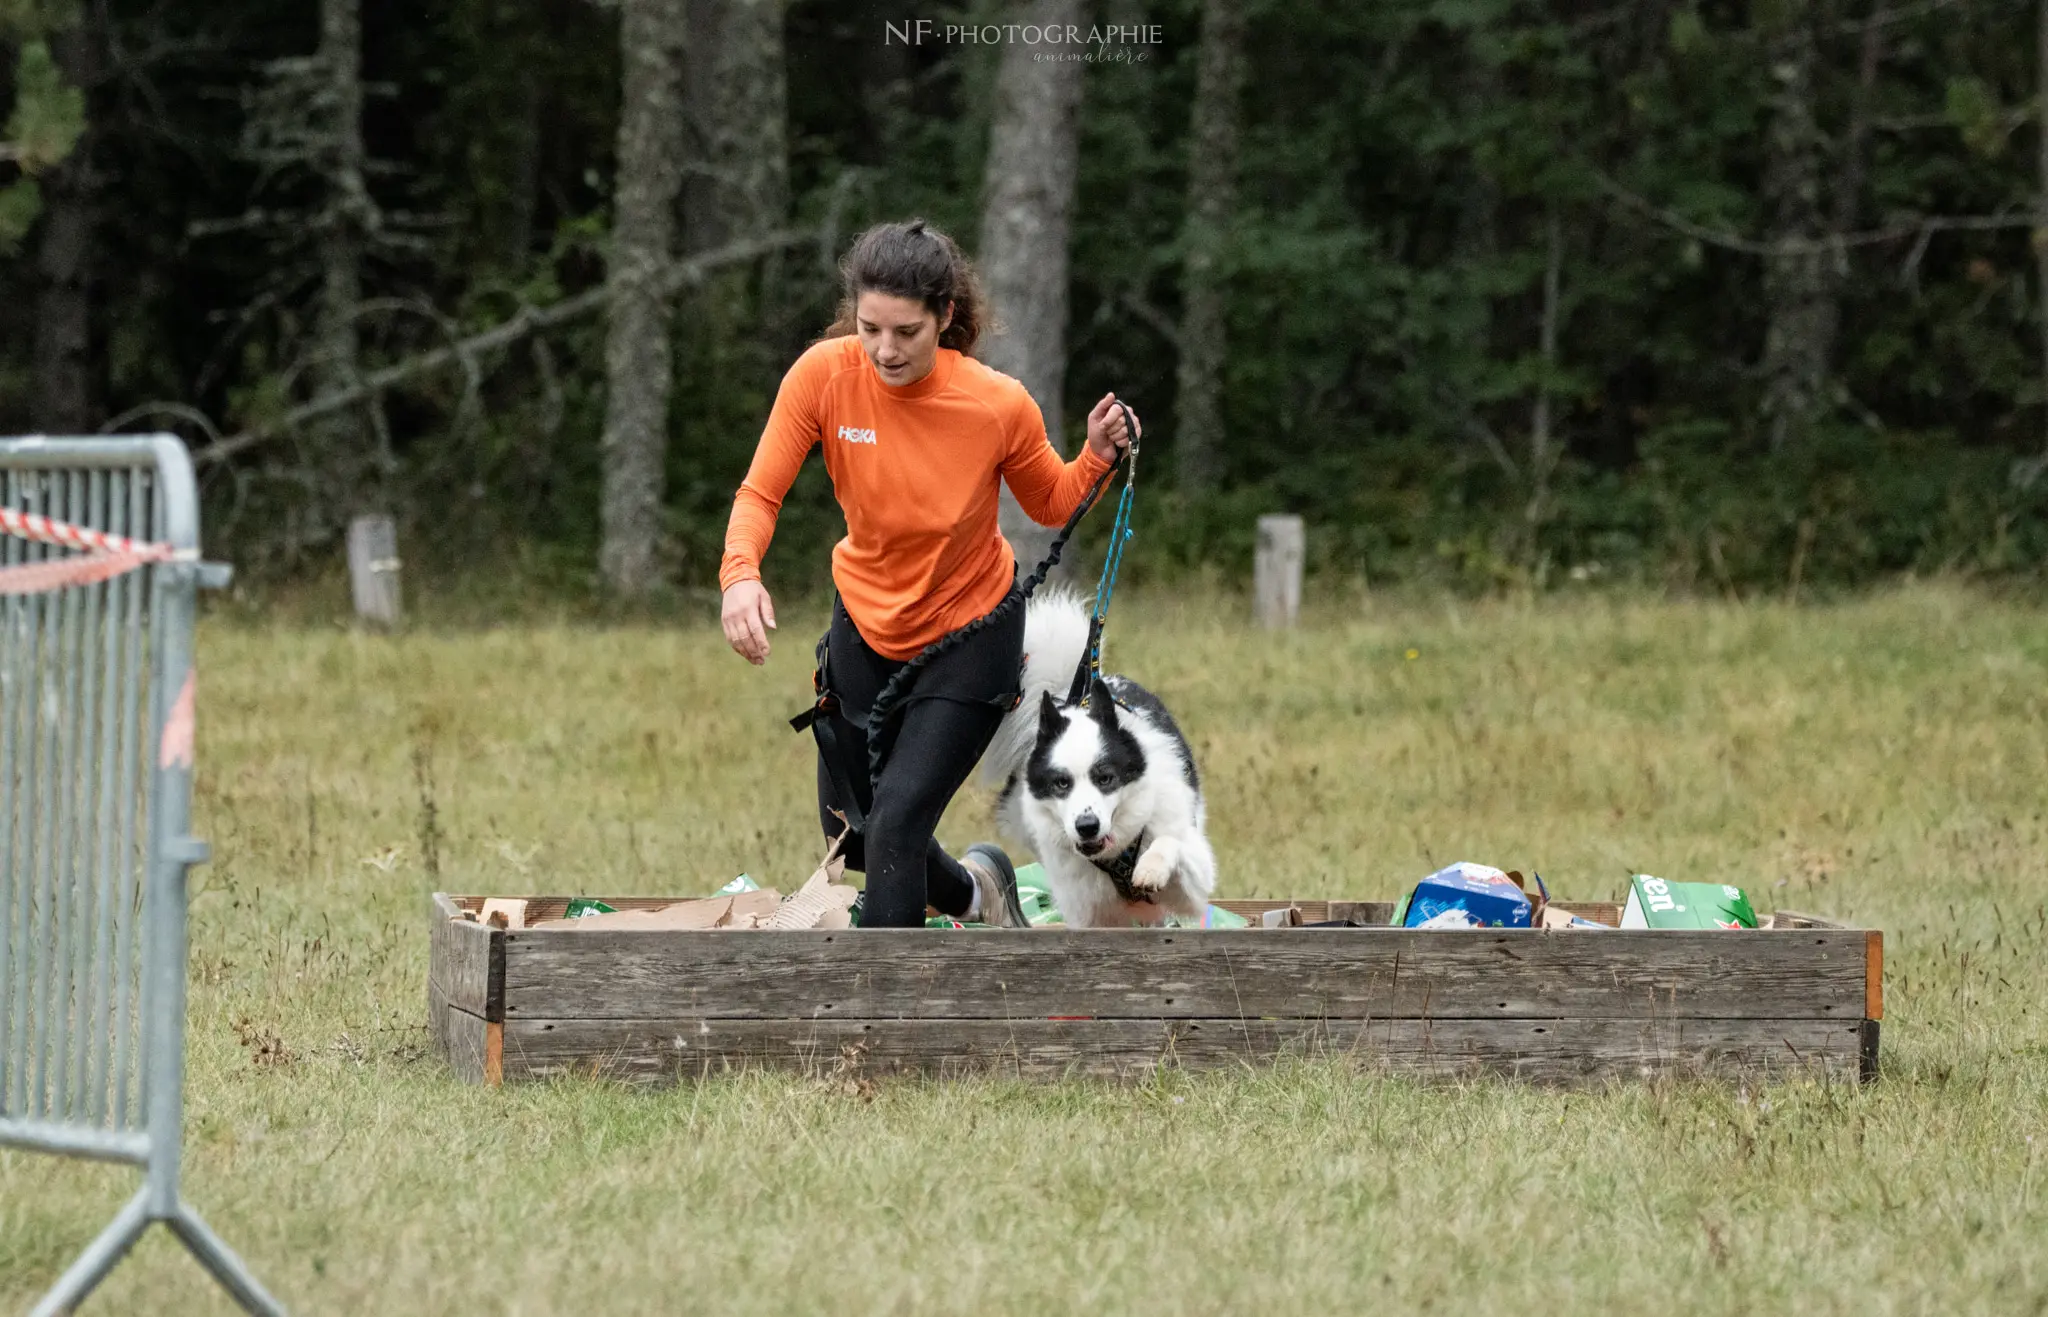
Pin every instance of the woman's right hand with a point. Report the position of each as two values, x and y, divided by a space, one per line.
748 615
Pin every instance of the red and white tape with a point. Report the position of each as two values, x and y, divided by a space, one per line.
105 555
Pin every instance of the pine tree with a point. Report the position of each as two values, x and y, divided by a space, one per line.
639 371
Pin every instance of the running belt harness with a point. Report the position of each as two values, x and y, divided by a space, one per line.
836 757
1118 869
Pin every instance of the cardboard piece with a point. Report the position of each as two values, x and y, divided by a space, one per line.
1492 897
821 895
744 910
809 906
1553 918
822 902
504 912
1286 917
1656 903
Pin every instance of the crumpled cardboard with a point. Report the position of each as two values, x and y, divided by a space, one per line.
504 912
822 902
1555 917
742 910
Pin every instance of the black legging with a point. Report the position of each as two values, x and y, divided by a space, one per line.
935 738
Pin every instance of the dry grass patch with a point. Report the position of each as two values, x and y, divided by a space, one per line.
1880 760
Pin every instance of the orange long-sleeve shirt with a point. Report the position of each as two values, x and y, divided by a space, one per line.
917 470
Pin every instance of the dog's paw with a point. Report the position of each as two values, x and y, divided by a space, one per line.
1154 869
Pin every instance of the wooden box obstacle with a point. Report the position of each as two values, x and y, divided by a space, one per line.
1565 1006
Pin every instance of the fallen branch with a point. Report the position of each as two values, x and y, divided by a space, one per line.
1921 229
529 321
1153 316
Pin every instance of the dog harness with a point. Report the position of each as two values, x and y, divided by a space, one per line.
1118 869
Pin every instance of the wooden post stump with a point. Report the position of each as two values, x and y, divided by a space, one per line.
373 569
1276 571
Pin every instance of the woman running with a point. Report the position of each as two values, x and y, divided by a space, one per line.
918 437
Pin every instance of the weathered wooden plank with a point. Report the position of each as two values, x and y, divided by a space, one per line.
437 1010
1276 569
1600 912
1315 912
1798 919
466 962
539 908
1311 911
373 568
1375 913
1153 974
1550 1050
437 994
467 1039
1361 912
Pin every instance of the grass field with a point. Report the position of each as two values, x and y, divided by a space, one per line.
1883 761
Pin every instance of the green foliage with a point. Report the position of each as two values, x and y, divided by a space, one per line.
48 115
19 203
1402 166
1973 108
47 119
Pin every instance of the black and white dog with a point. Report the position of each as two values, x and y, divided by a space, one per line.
1106 796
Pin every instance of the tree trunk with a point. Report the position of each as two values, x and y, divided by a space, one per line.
1856 142
342 441
1027 214
886 94
1798 293
638 369
2041 224
736 171
67 386
1543 450
736 99
1212 189
512 244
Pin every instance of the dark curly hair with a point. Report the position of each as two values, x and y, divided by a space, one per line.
914 260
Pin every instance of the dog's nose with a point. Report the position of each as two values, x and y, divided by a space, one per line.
1086 826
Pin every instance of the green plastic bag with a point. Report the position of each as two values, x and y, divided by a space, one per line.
1035 895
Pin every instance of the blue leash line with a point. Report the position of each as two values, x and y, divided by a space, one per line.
1113 559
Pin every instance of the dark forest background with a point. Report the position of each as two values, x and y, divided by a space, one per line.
1717 295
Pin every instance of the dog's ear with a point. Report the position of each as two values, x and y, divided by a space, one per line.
1051 722
1101 704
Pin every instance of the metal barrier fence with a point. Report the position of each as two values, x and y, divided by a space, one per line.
99 571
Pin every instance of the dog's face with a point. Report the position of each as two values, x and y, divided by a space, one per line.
1082 769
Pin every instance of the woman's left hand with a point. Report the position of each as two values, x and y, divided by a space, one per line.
1107 433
